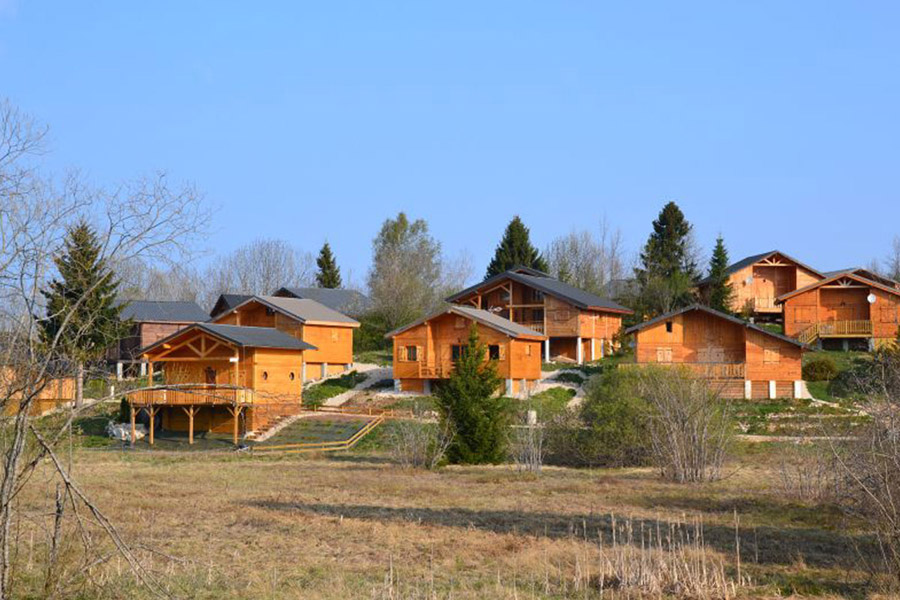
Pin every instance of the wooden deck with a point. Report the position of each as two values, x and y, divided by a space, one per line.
717 371
836 329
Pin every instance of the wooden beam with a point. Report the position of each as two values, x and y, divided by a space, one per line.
190 411
151 410
133 432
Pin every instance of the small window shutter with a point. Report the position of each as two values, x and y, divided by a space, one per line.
502 352
401 353
419 353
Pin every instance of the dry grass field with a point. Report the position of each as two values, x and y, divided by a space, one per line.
230 525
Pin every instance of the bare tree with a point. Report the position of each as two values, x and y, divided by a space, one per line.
892 260
527 446
259 268
587 259
417 443
690 431
142 281
149 219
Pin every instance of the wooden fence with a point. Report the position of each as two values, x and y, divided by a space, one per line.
323 446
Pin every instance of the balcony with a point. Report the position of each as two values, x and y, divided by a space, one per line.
537 326
717 371
192 394
836 329
765 305
427 371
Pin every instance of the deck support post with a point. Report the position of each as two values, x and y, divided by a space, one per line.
592 350
547 350
324 370
845 345
871 344
602 348
798 389
190 411
143 369
397 387
236 413
119 370
773 390
303 373
151 410
524 390
133 432
748 389
579 351
426 387
509 390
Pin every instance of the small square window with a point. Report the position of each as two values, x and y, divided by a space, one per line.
412 354
457 351
668 326
460 323
494 352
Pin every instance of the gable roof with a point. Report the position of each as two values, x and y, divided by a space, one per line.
485 317
245 337
548 285
866 274
163 311
227 302
349 302
715 313
303 310
850 275
749 260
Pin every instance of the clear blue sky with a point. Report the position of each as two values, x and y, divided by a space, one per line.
774 123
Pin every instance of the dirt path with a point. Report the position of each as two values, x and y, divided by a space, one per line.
374 374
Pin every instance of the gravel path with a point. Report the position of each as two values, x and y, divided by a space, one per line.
374 375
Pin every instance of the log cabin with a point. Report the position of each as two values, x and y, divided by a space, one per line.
843 311
743 359
50 393
759 279
151 320
425 351
328 330
579 326
221 378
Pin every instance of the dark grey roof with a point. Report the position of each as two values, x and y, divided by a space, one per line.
716 313
746 262
250 337
484 317
866 273
305 310
548 285
892 289
163 311
350 302
227 302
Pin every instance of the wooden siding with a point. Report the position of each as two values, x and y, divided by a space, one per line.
823 304
767 282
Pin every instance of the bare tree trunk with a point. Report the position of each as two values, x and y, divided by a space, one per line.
79 386
7 489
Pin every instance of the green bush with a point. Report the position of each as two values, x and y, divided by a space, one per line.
609 430
820 368
370 335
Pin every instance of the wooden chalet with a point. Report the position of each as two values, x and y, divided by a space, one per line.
844 310
330 332
151 321
426 350
348 302
222 378
746 360
579 326
758 280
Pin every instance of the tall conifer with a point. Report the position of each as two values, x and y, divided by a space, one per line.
328 275
516 250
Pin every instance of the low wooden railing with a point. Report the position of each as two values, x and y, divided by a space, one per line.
323 446
427 371
537 326
765 304
705 370
825 329
191 394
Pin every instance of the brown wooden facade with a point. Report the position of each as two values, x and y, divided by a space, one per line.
222 379
424 352
757 282
745 360
843 307
579 326
332 338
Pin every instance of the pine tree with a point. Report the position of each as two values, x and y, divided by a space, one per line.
83 317
515 250
329 275
667 272
468 401
719 293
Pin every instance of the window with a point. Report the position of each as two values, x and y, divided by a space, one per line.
664 355
210 376
494 352
292 376
269 312
528 350
771 356
412 354
265 375
668 326
460 323
561 315
334 335
457 351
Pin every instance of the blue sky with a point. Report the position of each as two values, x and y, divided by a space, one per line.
774 123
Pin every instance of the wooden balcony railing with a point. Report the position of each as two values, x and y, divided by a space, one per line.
705 370
191 394
835 329
537 326
429 371
765 305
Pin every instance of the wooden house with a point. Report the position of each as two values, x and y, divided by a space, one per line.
842 310
348 302
51 393
151 320
222 378
579 326
328 330
744 359
759 279
425 351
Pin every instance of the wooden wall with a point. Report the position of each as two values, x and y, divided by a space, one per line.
771 359
563 319
768 282
850 304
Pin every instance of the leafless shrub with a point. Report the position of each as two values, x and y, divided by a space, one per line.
417 444
588 259
527 447
690 430
807 474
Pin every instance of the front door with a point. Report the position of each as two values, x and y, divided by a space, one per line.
210 376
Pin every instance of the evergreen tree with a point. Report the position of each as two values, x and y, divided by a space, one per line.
515 250
667 272
329 275
719 293
82 313
469 402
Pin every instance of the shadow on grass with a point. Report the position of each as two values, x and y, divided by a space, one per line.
782 546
